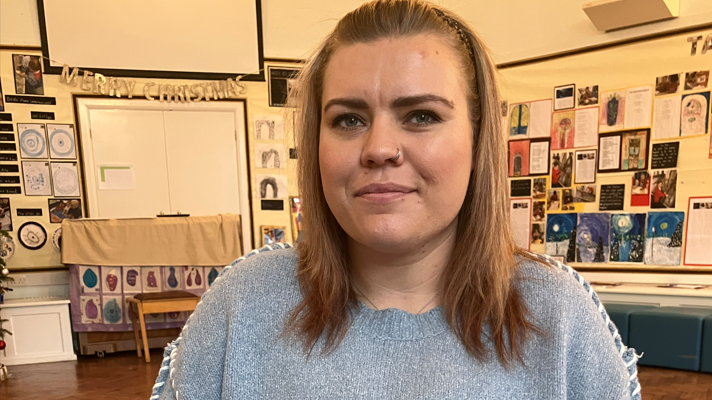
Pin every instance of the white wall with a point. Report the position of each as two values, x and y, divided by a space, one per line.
513 29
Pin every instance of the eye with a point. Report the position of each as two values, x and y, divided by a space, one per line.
347 122
422 118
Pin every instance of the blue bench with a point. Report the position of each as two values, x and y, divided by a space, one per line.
620 315
706 362
669 336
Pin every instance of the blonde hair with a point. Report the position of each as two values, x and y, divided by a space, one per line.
477 284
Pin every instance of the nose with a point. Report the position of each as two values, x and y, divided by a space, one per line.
381 146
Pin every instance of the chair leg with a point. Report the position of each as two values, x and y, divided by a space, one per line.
146 350
134 324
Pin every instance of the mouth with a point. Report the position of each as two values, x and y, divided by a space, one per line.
383 192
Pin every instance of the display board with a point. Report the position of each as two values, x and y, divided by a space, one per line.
616 143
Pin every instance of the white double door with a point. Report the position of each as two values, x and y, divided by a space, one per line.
189 161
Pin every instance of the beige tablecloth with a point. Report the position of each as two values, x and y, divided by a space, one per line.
198 241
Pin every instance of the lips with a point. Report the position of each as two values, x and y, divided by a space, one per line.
378 188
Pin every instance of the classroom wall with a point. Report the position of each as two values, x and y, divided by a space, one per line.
623 67
257 104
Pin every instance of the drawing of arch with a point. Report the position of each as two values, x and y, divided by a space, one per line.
258 129
266 155
270 181
517 164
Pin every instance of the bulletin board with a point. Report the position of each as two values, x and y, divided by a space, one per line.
613 149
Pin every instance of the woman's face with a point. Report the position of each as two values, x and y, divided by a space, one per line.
405 94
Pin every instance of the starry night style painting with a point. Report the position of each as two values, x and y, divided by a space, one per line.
627 237
561 236
592 237
663 241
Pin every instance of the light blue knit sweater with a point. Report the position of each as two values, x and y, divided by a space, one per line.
231 347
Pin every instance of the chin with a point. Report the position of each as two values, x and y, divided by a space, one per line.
387 237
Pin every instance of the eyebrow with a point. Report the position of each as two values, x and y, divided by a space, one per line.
401 102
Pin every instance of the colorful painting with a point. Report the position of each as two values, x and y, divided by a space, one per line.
131 279
612 111
111 280
592 232
561 236
172 278
634 154
193 278
562 167
663 241
113 310
627 237
519 158
90 307
151 279
89 279
664 189
519 121
694 114
562 130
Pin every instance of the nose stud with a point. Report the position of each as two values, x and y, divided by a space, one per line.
396 157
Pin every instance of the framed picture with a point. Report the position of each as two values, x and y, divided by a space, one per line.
272 234
280 81
609 152
28 74
61 209
634 150
564 97
296 210
539 153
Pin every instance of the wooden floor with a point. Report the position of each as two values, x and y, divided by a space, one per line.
123 376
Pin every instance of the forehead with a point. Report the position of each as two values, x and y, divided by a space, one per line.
393 67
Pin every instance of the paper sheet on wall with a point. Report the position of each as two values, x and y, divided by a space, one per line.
586 127
638 107
666 117
520 214
609 153
698 250
539 158
585 167
116 177
540 119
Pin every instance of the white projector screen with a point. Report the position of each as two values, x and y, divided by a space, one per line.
206 39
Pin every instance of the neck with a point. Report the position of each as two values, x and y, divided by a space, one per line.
408 281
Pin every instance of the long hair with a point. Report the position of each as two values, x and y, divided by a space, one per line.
477 287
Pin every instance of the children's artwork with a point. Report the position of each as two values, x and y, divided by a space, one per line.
61 209
172 278
111 280
538 211
562 169
519 158
212 274
538 233
627 237
5 214
296 207
667 84
562 130
539 119
273 234
113 310
612 111
32 235
553 200
37 178
539 188
519 121
588 96
90 307
663 189
638 107
561 236
697 80
61 141
272 186
592 237
32 140
663 241
694 114
270 155
175 316
567 200
151 279
640 189
634 151
585 194
269 127
193 278
65 179
131 279
89 279
154 318
699 231
564 97
28 74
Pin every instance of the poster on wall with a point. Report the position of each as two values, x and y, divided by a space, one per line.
697 80
61 141
667 84
65 179
592 234
539 119
640 189
520 220
564 97
562 169
612 115
563 130
270 155
519 121
539 157
663 239
272 186
639 102
28 74
585 166
627 237
61 209
32 140
519 158
666 117
37 178
269 127
634 151
699 232
586 127
664 189
609 153
561 236
5 214
588 96
694 114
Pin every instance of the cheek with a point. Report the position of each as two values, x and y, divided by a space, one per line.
447 163
334 161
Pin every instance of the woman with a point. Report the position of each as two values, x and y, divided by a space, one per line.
407 284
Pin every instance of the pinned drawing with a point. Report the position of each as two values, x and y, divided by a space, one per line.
272 186
61 141
561 236
562 166
131 279
65 179
519 121
90 307
664 189
32 140
519 158
592 245
627 237
562 130
612 111
269 155
663 242
89 279
151 279
37 178
172 278
269 127
694 114
111 280
193 278
113 310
